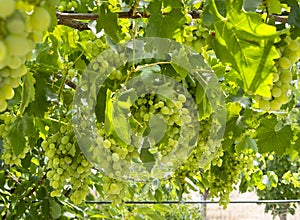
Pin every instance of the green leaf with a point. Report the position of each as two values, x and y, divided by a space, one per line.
245 42
246 143
274 7
55 209
109 22
146 157
22 127
251 5
158 128
271 139
144 210
28 91
162 208
294 16
42 95
158 195
164 24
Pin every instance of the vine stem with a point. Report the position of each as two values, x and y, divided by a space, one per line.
71 19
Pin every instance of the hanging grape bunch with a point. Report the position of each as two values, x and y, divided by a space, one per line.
20 31
66 165
290 53
147 120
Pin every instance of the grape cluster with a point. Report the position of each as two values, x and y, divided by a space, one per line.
114 190
290 53
202 153
174 113
195 34
66 165
68 5
224 178
8 155
18 35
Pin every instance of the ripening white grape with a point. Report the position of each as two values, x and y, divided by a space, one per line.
3 51
275 105
40 19
7 8
283 99
263 104
107 144
284 63
3 104
292 56
276 92
17 45
15 62
286 76
7 92
294 45
275 77
16 25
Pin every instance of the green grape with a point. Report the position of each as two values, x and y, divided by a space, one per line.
165 110
40 19
283 99
7 92
284 63
264 104
16 24
286 76
107 144
17 45
3 51
276 92
3 104
275 105
275 77
7 8
293 45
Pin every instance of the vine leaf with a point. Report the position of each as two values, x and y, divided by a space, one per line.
165 24
22 127
109 22
294 16
272 139
28 91
246 43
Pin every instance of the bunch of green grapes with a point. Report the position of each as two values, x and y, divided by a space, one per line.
224 178
9 155
95 46
195 34
18 36
202 153
290 53
68 5
66 165
114 190
174 113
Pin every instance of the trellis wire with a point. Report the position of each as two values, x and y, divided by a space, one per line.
199 202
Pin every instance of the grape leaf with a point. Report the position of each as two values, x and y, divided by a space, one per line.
28 91
274 7
251 5
158 128
109 22
294 16
164 25
55 210
271 139
22 127
246 143
246 43
43 94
